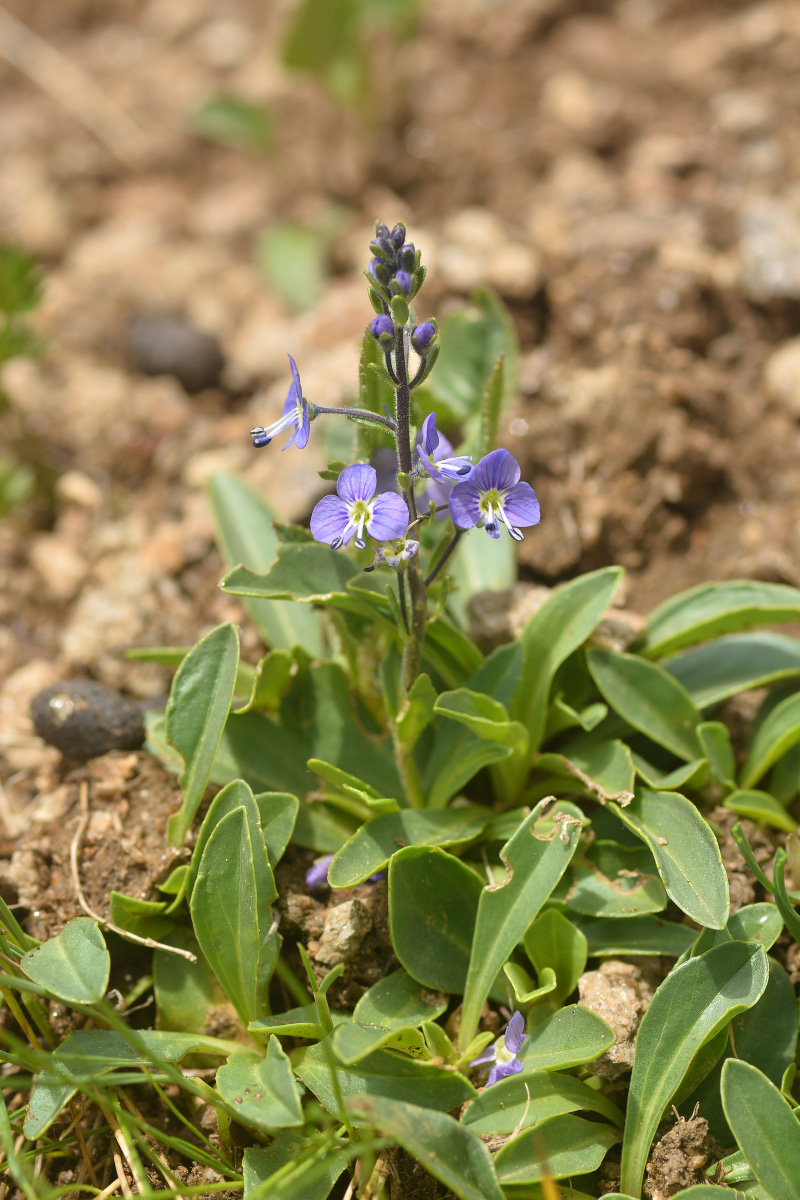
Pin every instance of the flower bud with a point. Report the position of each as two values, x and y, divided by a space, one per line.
379 270
381 230
382 329
407 257
403 281
398 235
423 336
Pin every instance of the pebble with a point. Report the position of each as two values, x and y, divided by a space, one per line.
770 250
84 719
171 346
345 927
782 375
620 994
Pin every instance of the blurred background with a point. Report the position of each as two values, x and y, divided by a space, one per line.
187 192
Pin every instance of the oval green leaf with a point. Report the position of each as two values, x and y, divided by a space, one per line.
765 1128
262 1091
571 1037
779 731
433 903
558 1147
686 853
760 806
734 664
373 844
649 700
398 1000
73 966
694 1002
707 611
534 1097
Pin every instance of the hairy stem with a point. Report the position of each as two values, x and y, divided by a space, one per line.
445 556
419 602
361 414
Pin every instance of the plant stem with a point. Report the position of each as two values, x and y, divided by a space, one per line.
447 552
361 414
409 775
419 601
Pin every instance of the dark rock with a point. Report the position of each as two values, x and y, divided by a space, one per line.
171 346
83 719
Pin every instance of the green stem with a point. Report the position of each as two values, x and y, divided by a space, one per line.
408 772
412 650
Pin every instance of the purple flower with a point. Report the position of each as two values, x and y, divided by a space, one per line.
317 876
336 518
503 1053
492 494
295 412
390 556
436 454
403 281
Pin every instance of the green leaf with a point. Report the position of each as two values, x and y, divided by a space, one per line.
433 903
186 992
230 907
765 1035
278 813
483 716
91 1052
608 937
729 665
715 739
373 844
694 1002
308 573
146 918
445 1148
571 1037
353 1042
493 406
416 712
293 260
473 570
383 1073
557 1148
300 1022
553 942
777 733
535 858
525 990
692 774
760 806
611 880
765 1128
560 626
73 966
534 1097
706 611
685 850
259 1164
272 679
197 710
398 1000
759 923
604 770
233 121
261 1090
648 699
243 523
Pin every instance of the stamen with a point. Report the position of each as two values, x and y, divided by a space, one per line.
516 534
465 470
337 543
261 439
360 543
368 569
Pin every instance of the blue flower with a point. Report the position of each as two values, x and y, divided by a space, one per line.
295 412
503 1053
492 494
356 508
436 454
422 336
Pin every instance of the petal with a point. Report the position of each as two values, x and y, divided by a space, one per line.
290 403
464 504
427 464
295 376
303 429
317 876
389 517
430 438
329 519
488 1056
357 483
515 1032
521 505
504 1069
496 470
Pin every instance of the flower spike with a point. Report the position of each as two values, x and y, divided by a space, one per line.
295 412
493 494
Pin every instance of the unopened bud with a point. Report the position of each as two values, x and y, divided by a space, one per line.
422 336
379 270
398 235
382 329
403 281
407 257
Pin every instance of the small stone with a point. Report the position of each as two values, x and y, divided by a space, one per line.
345 927
678 1160
770 250
84 719
171 346
782 375
619 994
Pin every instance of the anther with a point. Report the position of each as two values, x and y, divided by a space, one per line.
337 543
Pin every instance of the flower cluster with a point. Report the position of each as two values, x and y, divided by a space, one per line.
487 494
